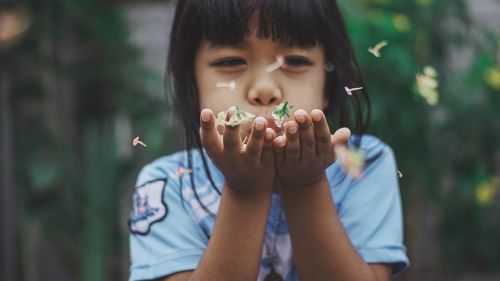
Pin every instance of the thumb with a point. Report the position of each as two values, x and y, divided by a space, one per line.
341 136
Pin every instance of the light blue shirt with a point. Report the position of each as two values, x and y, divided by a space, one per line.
170 229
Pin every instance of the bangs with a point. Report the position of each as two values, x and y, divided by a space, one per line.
293 22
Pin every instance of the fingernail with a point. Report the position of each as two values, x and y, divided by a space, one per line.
300 117
260 124
205 115
316 115
292 129
282 142
269 135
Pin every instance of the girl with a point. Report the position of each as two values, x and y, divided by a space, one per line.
275 206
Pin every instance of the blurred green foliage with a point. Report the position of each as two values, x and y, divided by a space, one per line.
449 153
78 87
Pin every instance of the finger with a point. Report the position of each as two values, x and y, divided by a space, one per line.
232 141
341 136
321 132
292 150
279 144
267 155
307 142
209 135
339 141
254 148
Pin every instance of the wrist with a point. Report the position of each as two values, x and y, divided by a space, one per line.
309 183
248 190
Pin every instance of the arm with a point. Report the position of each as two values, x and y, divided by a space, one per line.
310 252
320 244
236 244
172 244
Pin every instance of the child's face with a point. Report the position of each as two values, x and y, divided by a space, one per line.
300 80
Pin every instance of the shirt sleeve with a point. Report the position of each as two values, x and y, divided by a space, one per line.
371 211
164 236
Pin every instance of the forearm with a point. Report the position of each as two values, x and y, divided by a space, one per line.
322 250
235 246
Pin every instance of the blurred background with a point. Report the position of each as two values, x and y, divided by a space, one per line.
79 79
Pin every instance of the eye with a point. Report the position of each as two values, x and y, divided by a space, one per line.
297 61
228 62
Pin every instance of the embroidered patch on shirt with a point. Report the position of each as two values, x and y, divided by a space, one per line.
147 206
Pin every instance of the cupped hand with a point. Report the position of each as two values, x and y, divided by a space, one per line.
306 149
246 167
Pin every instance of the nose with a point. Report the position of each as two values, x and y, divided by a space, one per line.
265 91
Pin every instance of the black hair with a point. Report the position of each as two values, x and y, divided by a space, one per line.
293 22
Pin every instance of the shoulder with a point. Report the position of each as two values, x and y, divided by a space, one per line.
156 191
380 168
379 161
370 207
379 174
378 184
162 168
371 145
375 151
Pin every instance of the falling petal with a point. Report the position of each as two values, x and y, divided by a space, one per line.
376 49
179 174
136 141
231 85
280 60
351 160
350 90
181 171
374 52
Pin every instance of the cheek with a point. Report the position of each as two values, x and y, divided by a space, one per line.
307 93
206 89
218 99
318 88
